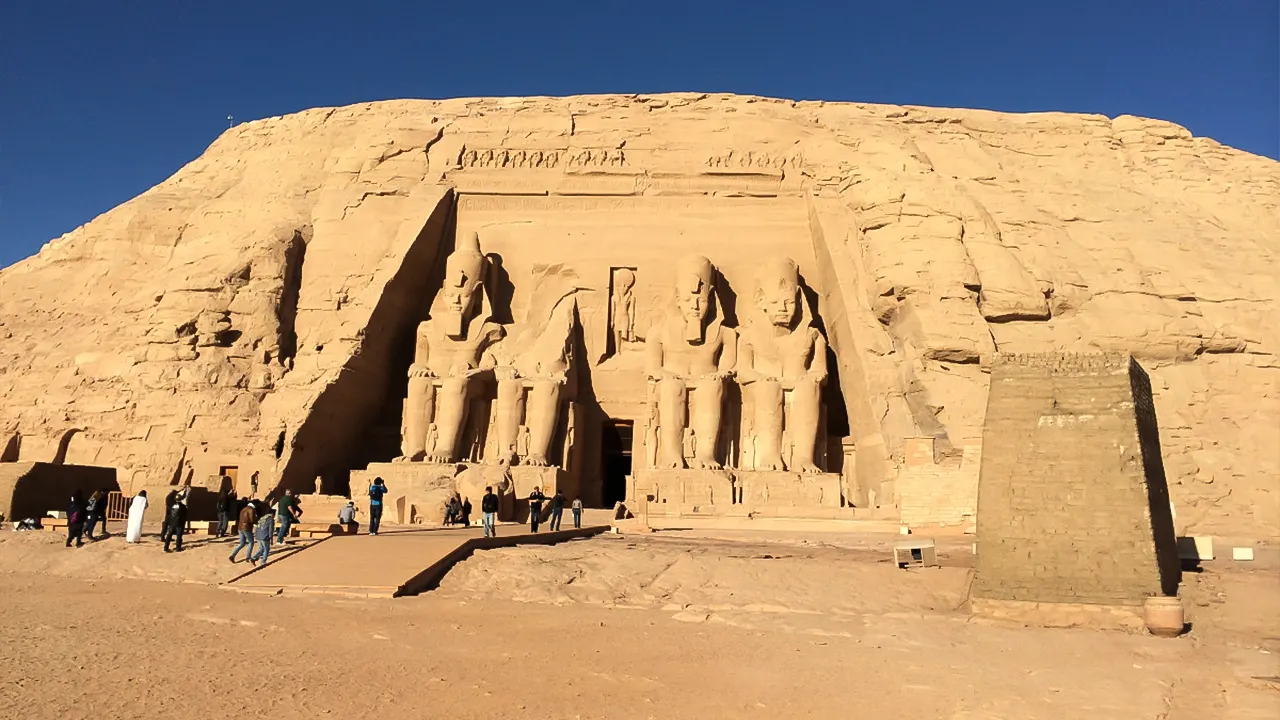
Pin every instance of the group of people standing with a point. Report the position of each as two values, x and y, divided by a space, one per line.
489 509
458 511
537 498
258 524
83 516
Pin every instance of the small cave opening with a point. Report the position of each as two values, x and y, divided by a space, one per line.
226 338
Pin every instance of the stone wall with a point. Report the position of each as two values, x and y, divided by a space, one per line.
1072 505
938 492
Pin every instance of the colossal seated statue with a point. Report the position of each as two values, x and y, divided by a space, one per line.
451 356
781 354
689 356
532 372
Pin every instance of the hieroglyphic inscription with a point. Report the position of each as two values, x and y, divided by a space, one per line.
735 160
541 159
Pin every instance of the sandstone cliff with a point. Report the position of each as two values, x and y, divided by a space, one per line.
248 307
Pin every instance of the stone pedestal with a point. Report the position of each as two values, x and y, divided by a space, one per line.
417 492
787 489
682 487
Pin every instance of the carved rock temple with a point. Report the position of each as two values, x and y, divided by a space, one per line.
709 304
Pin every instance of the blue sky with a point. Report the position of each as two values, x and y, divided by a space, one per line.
101 100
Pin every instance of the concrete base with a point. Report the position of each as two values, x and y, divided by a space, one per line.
1063 615
396 563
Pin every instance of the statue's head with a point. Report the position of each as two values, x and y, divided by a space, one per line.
624 280
694 278
778 291
461 294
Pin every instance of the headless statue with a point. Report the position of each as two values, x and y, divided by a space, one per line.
532 372
689 355
450 356
781 351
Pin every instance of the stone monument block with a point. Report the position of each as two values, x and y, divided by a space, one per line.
1073 507
788 489
684 487
416 492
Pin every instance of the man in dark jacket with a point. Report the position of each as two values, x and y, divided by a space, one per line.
177 513
536 498
557 510
165 527
224 510
489 506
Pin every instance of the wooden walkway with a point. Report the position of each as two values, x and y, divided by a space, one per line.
392 564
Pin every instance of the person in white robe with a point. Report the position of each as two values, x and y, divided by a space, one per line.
136 510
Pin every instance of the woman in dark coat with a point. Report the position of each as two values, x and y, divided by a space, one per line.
76 519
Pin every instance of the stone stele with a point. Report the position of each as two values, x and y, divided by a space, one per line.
713 300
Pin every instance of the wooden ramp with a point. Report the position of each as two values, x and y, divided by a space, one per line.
392 564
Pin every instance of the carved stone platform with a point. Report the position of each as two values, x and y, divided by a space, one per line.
787 489
683 487
417 491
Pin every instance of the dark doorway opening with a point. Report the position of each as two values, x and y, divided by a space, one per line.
615 455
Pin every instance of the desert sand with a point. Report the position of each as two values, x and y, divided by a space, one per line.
670 625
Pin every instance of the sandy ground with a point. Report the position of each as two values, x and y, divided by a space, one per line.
665 626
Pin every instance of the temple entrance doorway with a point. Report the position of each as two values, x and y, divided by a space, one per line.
615 456
233 472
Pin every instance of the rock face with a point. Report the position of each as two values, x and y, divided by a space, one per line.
251 311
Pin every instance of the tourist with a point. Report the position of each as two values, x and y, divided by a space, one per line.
137 509
466 512
253 484
286 513
244 527
450 511
95 510
536 499
489 512
347 514
226 507
169 500
557 510
263 532
75 519
177 522
577 513
376 491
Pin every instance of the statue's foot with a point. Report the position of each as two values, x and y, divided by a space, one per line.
671 465
536 460
810 469
439 459
704 464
